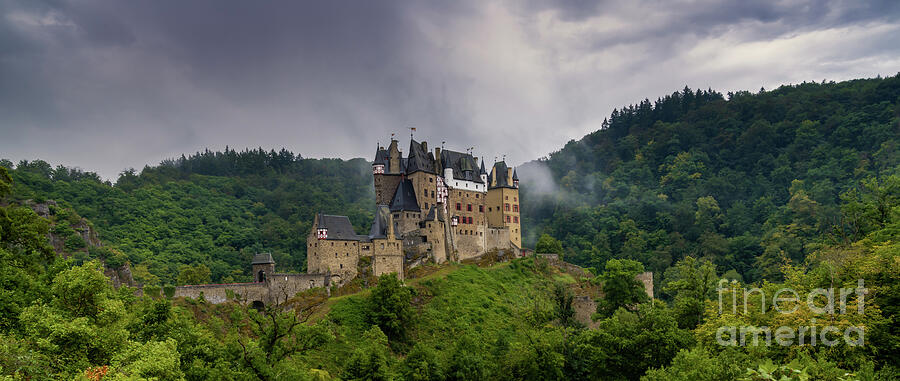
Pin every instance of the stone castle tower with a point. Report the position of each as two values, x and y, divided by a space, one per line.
437 206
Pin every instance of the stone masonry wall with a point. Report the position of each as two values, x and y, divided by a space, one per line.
334 256
216 293
496 238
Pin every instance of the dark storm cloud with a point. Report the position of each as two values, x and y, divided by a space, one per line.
107 85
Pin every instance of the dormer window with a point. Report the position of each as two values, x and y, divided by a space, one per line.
378 169
322 233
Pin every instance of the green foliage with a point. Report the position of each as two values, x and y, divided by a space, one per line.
389 307
214 208
5 182
563 296
75 243
698 365
169 291
620 288
196 274
421 364
548 244
468 360
702 174
151 360
371 362
80 290
692 282
627 344
689 187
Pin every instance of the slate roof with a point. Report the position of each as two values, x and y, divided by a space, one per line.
515 175
262 259
463 165
381 157
405 198
432 214
482 171
418 159
499 173
380 223
339 227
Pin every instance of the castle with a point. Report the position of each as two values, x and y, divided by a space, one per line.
429 207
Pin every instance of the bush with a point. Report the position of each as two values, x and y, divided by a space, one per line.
169 291
390 307
75 243
151 291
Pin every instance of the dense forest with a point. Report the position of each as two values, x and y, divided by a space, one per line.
744 180
210 209
796 188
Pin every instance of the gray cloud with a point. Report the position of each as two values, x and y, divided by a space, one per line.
107 85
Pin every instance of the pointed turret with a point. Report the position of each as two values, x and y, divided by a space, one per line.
405 198
381 161
515 178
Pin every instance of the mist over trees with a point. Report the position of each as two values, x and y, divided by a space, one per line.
743 180
796 188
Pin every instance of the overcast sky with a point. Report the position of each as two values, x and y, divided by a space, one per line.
107 85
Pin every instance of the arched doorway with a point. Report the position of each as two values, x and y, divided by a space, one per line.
258 305
261 276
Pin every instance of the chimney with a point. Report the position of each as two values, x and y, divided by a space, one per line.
437 160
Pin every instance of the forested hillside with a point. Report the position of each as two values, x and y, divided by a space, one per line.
796 188
746 180
211 210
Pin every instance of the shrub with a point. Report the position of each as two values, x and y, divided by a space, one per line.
151 291
390 307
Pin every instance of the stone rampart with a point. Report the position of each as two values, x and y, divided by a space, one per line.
277 289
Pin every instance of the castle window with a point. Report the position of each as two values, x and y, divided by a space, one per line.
432 193
469 207
382 245
516 219
476 195
507 197
345 243
470 220
490 209
431 179
458 206
506 206
425 192
507 218
481 208
515 199
516 208
335 255
342 265
426 205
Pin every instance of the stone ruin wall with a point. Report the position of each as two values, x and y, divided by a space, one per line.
216 293
277 289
